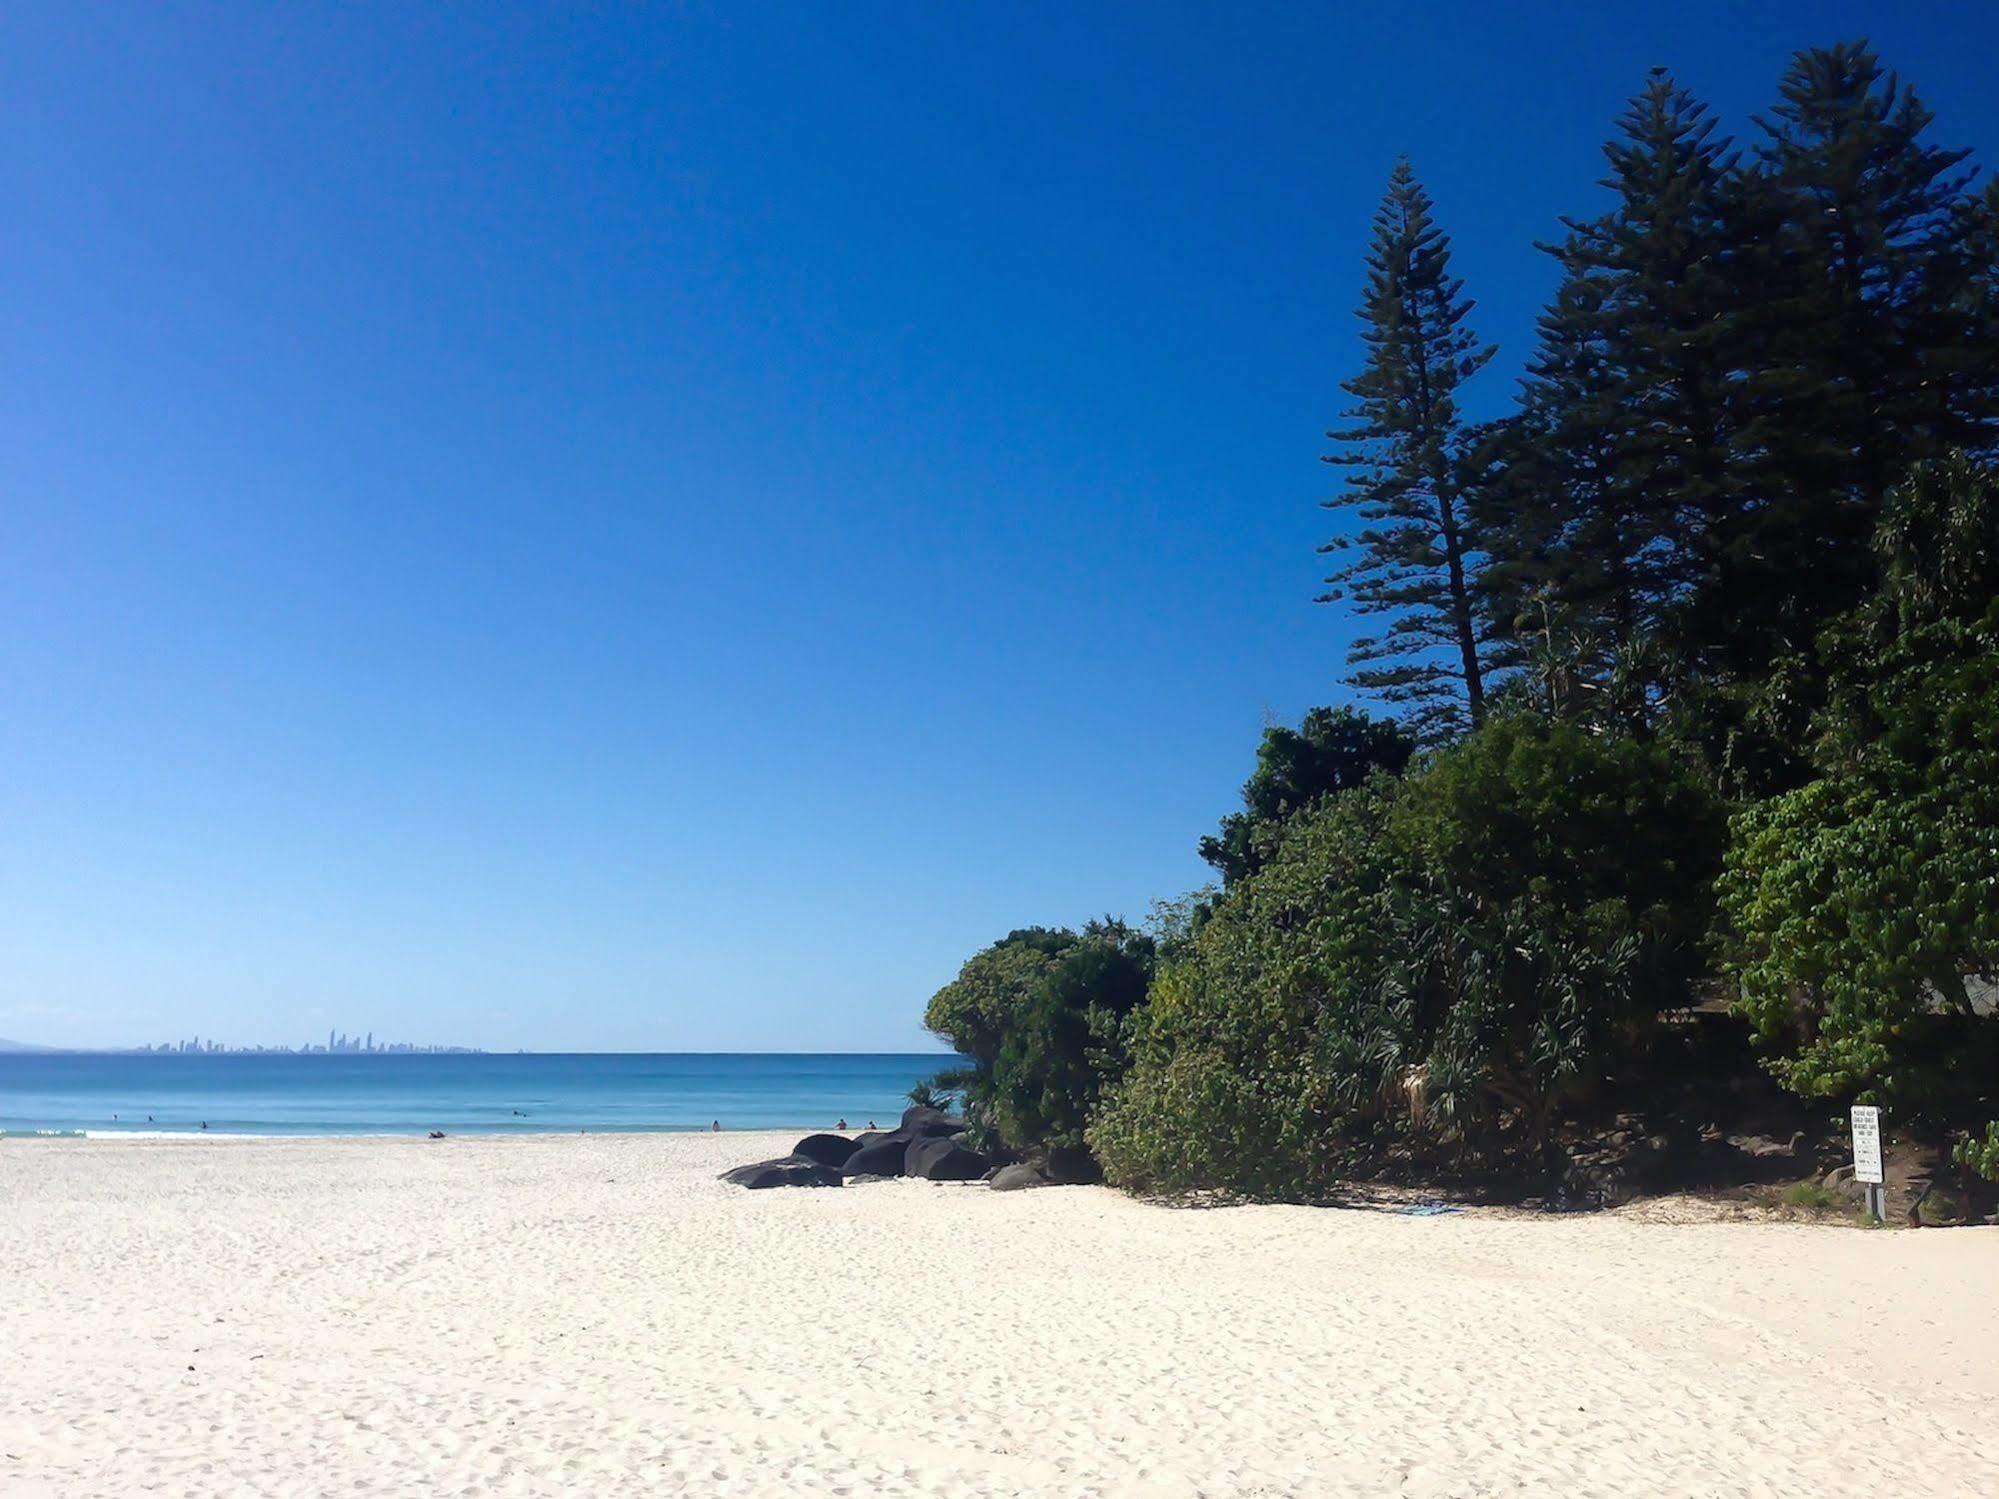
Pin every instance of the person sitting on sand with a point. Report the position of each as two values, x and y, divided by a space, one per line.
841 1125
715 1127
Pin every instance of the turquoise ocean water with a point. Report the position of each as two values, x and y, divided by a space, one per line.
249 1094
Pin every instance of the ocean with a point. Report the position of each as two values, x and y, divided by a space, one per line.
107 1093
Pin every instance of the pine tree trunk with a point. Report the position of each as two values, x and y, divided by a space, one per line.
1461 610
1447 526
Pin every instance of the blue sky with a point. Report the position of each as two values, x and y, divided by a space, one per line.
667 527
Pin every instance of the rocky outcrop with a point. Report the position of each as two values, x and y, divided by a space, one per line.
827 1150
884 1158
940 1158
927 1144
1017 1178
920 1123
786 1171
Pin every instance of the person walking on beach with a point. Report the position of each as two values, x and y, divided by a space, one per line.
715 1127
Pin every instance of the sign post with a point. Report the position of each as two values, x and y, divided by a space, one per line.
1867 1158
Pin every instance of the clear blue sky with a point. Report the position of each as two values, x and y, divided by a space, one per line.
666 527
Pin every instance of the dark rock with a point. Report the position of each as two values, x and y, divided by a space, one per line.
1072 1166
869 1137
942 1159
786 1171
920 1123
827 1150
884 1158
1017 1178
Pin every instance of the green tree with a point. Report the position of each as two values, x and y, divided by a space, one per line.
1610 502
1406 449
1041 1016
1551 813
1623 482
973 1012
1069 1039
1332 750
1859 284
1678 342
1861 903
1967 364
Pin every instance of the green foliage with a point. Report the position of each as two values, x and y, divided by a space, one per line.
1859 361
1043 1016
1545 812
974 1012
1333 750
1172 924
1231 1085
1814 1196
1556 900
1980 1153
1862 902
1505 1013
1451 952
942 1092
1069 1038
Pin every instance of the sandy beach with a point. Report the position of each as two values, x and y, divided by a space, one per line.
598 1315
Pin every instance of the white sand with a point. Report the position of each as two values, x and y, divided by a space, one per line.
564 1315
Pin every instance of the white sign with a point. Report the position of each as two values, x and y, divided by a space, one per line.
1866 1143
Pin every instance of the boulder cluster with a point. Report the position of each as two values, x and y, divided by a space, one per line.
926 1143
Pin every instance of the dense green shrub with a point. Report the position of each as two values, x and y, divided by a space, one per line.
1457 951
1861 902
1232 1085
976 1009
1043 1016
1618 831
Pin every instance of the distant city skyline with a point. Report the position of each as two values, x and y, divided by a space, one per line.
337 1043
